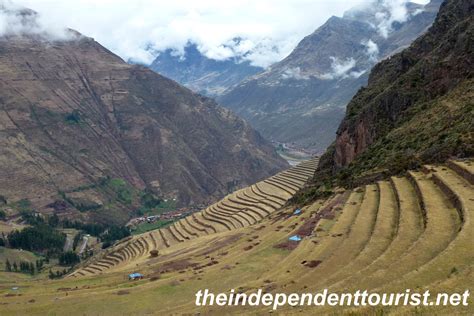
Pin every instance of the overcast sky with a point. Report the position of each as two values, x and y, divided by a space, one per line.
270 28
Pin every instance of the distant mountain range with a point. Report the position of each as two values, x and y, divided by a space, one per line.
302 99
417 108
83 132
200 73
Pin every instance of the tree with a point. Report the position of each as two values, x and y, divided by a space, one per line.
77 238
53 220
115 233
69 258
15 267
8 266
37 238
39 264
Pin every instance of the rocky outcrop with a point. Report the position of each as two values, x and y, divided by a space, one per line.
416 100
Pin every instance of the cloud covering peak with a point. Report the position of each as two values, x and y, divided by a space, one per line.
137 30
18 20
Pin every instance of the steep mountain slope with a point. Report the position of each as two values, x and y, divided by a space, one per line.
201 74
302 99
79 127
418 106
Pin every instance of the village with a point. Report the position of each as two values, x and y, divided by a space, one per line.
169 216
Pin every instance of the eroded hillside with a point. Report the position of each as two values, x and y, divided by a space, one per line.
73 117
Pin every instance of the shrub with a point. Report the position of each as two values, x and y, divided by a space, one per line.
73 117
149 200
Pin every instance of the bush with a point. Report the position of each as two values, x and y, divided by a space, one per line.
73 117
24 205
53 220
149 200
31 218
154 253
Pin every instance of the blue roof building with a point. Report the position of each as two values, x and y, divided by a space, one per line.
297 212
295 238
135 276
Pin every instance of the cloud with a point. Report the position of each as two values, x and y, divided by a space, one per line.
18 20
372 50
342 69
393 11
137 30
294 73
387 13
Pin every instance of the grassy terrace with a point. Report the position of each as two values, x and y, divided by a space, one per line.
414 232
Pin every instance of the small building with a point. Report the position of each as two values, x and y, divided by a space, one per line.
295 238
135 276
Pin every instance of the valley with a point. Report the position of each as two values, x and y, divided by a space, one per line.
124 192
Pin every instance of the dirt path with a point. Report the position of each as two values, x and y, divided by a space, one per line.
85 239
69 242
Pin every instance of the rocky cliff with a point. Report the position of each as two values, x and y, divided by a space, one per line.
418 106
81 130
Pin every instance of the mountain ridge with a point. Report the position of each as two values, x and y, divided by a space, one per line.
416 109
74 117
306 93
200 73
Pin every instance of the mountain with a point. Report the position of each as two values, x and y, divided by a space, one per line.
417 107
302 99
84 133
201 74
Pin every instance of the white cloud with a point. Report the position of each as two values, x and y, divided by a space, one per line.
394 11
270 29
372 50
341 69
388 12
294 73
17 20
136 30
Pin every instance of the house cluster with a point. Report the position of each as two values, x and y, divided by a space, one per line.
172 215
